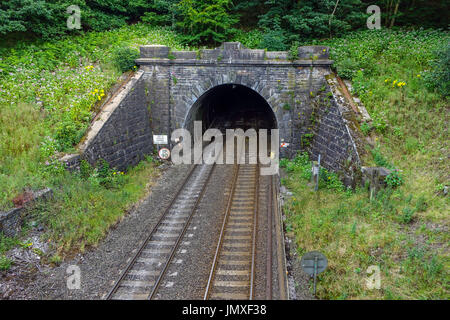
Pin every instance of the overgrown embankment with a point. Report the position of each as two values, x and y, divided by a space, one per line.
49 93
404 230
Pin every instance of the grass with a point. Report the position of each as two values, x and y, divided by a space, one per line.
404 230
84 208
355 233
49 93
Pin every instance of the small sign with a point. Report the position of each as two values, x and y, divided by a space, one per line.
315 170
164 153
314 262
284 145
160 139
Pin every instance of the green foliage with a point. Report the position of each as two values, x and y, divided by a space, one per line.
86 169
273 40
5 263
102 175
361 51
407 215
282 22
329 180
394 179
293 51
161 12
7 243
356 232
365 128
68 133
55 259
439 77
297 21
301 165
205 21
48 19
49 92
123 58
379 159
286 107
421 204
249 39
306 139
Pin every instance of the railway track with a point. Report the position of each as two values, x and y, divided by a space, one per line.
143 275
232 274
236 271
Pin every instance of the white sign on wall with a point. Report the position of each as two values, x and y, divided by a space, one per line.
159 139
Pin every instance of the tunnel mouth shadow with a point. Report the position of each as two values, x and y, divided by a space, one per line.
231 106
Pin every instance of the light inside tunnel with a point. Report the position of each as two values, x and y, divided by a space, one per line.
231 106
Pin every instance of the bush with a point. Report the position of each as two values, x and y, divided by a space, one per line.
123 58
273 40
439 77
379 159
393 179
251 39
407 215
68 133
5 263
329 180
206 21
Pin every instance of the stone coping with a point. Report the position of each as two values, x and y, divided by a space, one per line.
243 63
233 53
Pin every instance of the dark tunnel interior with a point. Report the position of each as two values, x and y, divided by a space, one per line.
231 106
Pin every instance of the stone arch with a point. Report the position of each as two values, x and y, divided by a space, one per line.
264 96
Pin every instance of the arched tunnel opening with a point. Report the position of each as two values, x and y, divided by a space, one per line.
231 106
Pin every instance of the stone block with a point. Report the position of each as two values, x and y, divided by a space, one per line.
154 51
277 55
185 55
10 222
309 52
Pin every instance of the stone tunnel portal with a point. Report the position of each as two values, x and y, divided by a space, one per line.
231 106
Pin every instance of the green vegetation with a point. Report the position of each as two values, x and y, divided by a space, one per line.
354 233
280 23
205 22
86 205
404 229
49 92
439 76
124 57
6 244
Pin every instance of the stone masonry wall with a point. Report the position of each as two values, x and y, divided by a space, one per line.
329 136
121 133
175 85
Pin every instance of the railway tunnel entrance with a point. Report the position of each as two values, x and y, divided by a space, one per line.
231 106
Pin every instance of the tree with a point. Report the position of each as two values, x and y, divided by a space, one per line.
206 21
